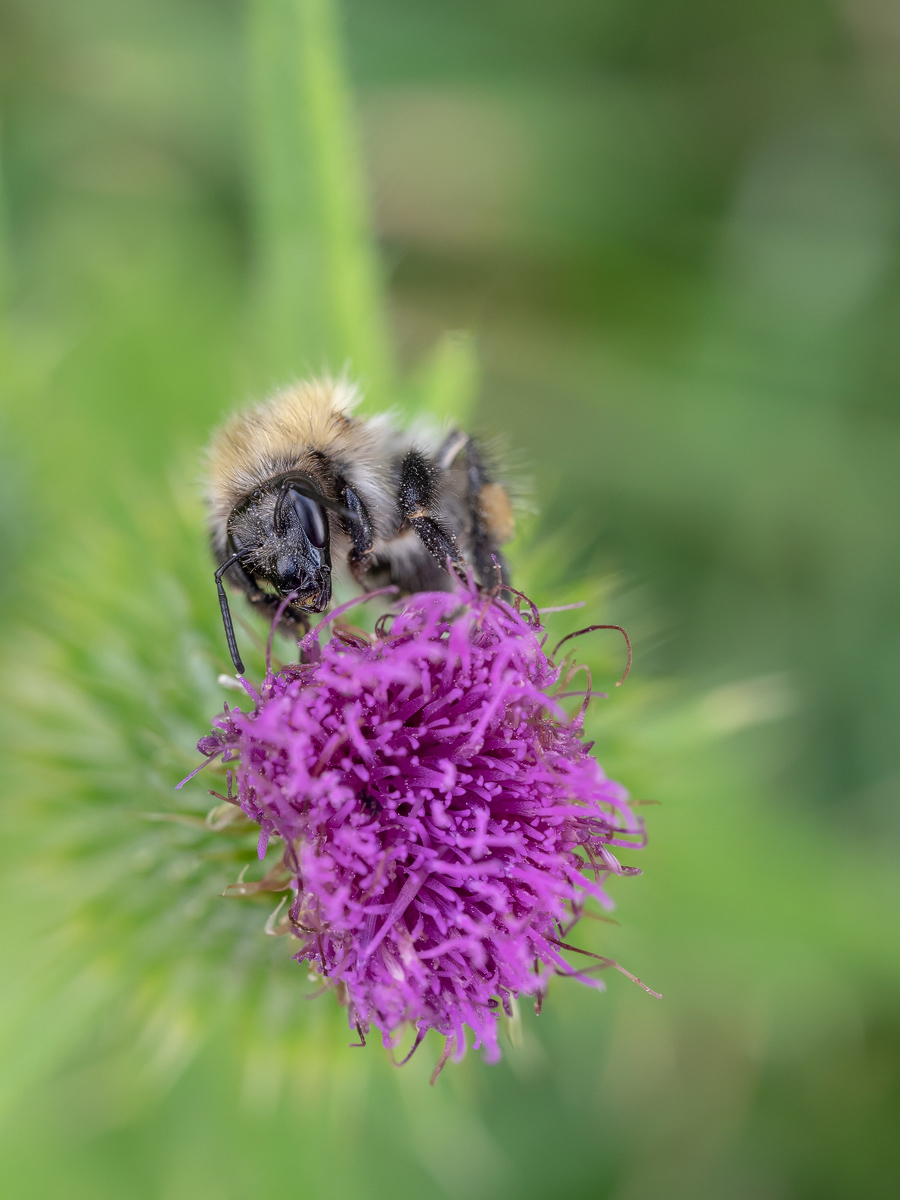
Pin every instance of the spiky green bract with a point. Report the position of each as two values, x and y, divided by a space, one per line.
116 880
118 945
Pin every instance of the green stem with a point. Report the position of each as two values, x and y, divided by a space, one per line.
318 303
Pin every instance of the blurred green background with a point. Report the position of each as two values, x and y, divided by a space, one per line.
672 229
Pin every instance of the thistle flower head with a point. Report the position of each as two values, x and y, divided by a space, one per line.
443 820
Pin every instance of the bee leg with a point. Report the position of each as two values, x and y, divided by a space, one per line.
361 535
415 499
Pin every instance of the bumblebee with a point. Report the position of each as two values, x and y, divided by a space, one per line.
298 487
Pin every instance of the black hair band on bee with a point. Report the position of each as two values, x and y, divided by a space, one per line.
226 611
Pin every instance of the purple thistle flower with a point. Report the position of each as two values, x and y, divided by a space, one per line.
443 821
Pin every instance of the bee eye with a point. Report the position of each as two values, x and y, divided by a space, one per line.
310 515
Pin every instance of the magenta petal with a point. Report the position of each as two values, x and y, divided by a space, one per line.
435 799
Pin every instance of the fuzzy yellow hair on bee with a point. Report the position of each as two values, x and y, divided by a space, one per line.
299 485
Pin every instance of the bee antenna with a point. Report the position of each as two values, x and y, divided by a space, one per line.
226 611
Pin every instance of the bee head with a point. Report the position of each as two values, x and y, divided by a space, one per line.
282 535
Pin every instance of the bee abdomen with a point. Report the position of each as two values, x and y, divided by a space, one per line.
497 509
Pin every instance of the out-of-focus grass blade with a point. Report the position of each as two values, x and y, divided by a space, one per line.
318 301
447 384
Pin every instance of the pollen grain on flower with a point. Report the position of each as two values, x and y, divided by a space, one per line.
443 820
